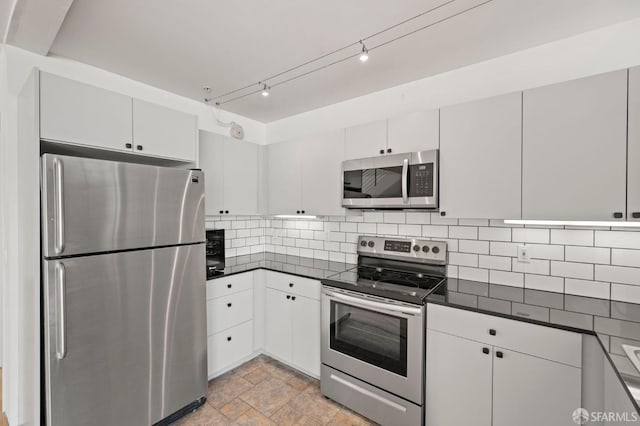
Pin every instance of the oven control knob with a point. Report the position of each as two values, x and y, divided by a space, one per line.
371 244
416 248
425 249
435 250
363 243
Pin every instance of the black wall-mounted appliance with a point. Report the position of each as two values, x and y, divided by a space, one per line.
215 252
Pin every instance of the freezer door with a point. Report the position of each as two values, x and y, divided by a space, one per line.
92 206
125 336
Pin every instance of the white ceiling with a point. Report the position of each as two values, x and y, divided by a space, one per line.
183 45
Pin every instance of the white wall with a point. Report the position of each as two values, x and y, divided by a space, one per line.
595 52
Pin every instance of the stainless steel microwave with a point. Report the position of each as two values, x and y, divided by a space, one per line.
391 182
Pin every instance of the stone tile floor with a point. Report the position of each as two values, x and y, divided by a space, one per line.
266 392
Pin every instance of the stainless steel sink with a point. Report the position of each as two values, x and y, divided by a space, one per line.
633 352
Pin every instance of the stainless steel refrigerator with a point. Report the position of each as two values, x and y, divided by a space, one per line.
123 286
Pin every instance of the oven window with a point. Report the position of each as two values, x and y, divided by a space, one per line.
383 182
372 337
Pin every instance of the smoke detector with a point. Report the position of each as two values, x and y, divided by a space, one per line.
236 131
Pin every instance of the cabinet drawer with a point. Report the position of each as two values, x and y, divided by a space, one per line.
229 285
293 284
229 347
227 311
537 340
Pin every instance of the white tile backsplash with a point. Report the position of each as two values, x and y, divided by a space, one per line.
591 262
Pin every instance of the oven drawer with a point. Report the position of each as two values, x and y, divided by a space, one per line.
228 311
224 286
370 401
293 284
538 340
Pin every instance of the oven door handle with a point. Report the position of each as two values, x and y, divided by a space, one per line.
379 306
405 183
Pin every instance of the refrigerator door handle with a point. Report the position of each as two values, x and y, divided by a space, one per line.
58 170
61 337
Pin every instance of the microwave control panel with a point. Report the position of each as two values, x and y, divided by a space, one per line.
421 180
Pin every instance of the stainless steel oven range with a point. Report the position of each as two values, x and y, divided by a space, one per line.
373 328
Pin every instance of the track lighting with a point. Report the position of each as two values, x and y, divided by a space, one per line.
364 56
265 90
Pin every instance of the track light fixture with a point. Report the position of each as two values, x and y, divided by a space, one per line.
265 90
342 54
364 56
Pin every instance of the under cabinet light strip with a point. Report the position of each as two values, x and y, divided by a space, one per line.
294 216
572 223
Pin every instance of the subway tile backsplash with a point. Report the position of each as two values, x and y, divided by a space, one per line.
592 262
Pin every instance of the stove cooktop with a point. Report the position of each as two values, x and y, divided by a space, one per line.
412 287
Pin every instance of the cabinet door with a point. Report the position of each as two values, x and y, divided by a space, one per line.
240 177
78 113
211 162
480 158
531 391
305 320
418 131
278 327
321 174
633 180
284 178
574 149
458 381
366 140
164 132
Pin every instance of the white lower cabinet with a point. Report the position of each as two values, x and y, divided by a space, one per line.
471 380
229 322
292 321
229 347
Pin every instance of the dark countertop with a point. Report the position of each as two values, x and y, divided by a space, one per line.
612 322
296 265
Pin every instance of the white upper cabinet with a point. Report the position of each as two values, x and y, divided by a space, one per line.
367 140
480 158
211 160
304 175
633 179
231 175
164 132
574 149
321 174
418 131
81 114
284 178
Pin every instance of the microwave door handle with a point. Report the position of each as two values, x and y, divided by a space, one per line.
405 175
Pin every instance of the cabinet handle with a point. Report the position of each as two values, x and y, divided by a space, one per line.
499 354
139 147
221 211
293 298
443 213
382 151
288 296
617 215
297 211
635 215
228 305
389 151
228 338
492 331
226 211
128 145
485 351
290 284
302 211
228 285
